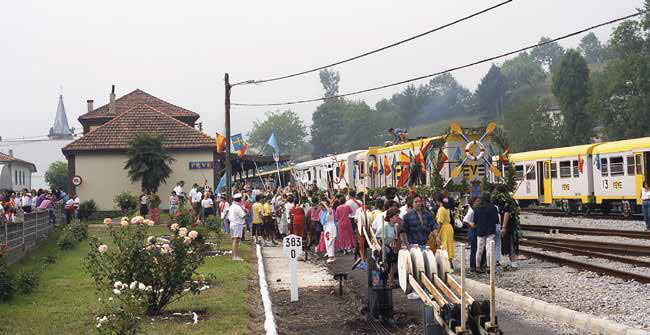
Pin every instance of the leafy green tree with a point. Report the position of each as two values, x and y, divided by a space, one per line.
522 70
627 39
530 126
289 129
491 90
571 88
591 48
548 55
328 128
330 81
148 161
56 176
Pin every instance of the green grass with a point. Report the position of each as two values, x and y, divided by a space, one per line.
65 301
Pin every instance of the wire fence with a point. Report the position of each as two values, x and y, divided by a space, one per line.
28 230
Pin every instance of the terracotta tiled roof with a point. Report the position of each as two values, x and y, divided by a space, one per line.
135 98
116 134
6 158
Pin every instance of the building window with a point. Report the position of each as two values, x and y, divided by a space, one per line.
616 166
16 177
309 175
630 165
565 169
530 172
576 171
603 167
519 172
639 170
553 170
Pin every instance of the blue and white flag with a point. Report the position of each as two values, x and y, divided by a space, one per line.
237 141
222 183
273 142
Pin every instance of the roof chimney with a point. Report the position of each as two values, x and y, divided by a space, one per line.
111 104
90 105
11 152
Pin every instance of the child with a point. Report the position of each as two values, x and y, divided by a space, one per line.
173 203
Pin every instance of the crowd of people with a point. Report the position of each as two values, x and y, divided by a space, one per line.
26 201
342 222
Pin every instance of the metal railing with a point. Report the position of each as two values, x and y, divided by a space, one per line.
29 229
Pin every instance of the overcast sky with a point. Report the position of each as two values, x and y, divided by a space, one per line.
179 51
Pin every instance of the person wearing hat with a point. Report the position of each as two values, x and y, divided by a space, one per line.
236 216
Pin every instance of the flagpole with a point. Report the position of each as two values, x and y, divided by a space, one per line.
276 157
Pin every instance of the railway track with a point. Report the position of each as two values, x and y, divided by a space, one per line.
588 231
595 246
559 213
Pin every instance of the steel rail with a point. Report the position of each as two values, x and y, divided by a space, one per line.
607 247
559 213
620 259
587 266
587 231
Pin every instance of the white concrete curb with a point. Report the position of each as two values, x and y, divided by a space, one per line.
269 320
579 320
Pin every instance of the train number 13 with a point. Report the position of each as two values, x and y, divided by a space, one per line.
605 184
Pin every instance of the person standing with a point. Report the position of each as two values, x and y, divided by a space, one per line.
258 213
509 213
645 196
223 213
298 221
77 204
345 236
472 234
417 226
283 226
26 202
144 209
236 216
486 218
354 205
173 203
207 205
328 237
195 199
268 226
178 189
69 210
445 229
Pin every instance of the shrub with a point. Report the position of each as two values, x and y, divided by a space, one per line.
79 230
7 284
49 259
120 312
66 240
27 281
135 257
71 235
126 202
184 217
154 201
87 208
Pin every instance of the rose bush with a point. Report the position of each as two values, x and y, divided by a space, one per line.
167 265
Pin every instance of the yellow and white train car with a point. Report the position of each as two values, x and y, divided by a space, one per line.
326 172
561 175
620 168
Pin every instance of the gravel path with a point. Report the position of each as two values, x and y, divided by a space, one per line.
583 291
538 219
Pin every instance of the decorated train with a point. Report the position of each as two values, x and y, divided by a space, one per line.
605 176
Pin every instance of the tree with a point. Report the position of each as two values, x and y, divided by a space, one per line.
627 39
591 48
571 88
491 90
530 126
330 81
56 176
522 70
549 54
289 129
328 128
148 161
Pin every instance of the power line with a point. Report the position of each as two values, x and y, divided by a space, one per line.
375 50
485 60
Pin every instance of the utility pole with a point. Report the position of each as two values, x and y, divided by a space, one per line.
227 126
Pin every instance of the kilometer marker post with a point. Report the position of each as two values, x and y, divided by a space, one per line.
292 246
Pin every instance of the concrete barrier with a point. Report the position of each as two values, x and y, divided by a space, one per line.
576 319
269 320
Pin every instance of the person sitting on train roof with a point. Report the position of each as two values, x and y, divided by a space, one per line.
399 135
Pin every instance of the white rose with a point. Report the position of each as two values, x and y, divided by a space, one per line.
125 286
149 222
187 240
117 284
137 220
102 248
124 223
116 291
133 285
174 227
108 221
182 232
193 234
142 287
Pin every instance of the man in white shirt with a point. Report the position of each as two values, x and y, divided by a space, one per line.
77 203
26 202
195 198
179 190
69 209
236 216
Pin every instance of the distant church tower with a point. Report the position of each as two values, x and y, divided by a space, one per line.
61 130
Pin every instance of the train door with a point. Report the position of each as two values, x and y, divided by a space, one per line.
640 172
540 181
547 191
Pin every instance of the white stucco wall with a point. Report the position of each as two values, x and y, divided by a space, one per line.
103 176
15 176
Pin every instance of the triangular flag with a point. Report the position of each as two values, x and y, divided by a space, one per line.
222 183
387 169
442 158
381 167
581 162
242 150
274 143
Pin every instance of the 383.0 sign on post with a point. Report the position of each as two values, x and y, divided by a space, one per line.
292 246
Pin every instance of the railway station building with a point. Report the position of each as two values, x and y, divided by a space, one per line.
96 160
